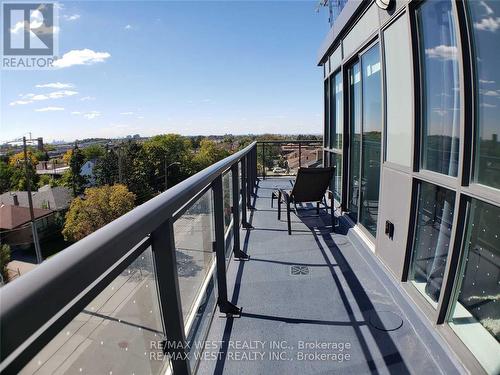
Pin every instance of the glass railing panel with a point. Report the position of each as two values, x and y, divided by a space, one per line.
227 189
119 332
194 235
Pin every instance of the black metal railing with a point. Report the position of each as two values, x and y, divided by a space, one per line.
284 158
36 308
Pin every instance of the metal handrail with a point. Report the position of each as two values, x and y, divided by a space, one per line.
28 304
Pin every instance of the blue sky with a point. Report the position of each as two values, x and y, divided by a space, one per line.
185 67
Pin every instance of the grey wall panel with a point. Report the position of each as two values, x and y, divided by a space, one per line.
336 58
361 31
399 92
395 197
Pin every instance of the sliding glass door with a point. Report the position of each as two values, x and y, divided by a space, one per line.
365 124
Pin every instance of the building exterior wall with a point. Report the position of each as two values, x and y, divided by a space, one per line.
412 101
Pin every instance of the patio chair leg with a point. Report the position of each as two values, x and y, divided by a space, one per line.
272 199
317 208
288 218
332 212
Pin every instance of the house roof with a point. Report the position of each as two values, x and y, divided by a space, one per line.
14 216
53 198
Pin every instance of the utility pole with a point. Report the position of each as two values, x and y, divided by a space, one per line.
38 251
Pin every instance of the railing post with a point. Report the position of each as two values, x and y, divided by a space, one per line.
225 306
263 161
238 254
164 255
300 154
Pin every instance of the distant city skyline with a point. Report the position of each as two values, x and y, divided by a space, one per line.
193 68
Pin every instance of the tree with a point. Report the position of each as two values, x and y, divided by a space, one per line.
94 152
209 153
161 151
67 156
4 261
6 172
18 159
76 162
106 168
100 206
45 179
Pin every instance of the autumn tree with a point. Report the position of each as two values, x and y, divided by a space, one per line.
98 207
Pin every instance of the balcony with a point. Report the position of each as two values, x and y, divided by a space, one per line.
316 301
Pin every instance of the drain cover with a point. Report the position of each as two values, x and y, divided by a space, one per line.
385 320
299 270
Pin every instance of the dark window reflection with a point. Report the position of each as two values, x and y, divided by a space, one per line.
486 35
372 136
336 183
479 286
440 87
336 109
432 238
355 139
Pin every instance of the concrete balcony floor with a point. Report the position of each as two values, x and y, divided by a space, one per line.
346 298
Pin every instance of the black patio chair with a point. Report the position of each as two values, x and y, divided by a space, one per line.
310 186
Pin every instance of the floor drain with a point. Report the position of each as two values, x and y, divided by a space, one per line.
299 270
385 320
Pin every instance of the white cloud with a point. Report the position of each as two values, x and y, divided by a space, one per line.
56 85
490 93
73 17
128 27
81 57
85 98
92 115
49 109
487 8
442 52
486 105
485 81
30 98
88 115
127 113
488 24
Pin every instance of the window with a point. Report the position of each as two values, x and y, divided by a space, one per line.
440 87
399 93
336 109
336 184
475 315
486 33
372 137
432 239
355 139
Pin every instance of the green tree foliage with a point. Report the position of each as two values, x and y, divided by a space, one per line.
4 261
94 152
100 206
76 162
6 172
161 151
44 180
106 169
209 153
